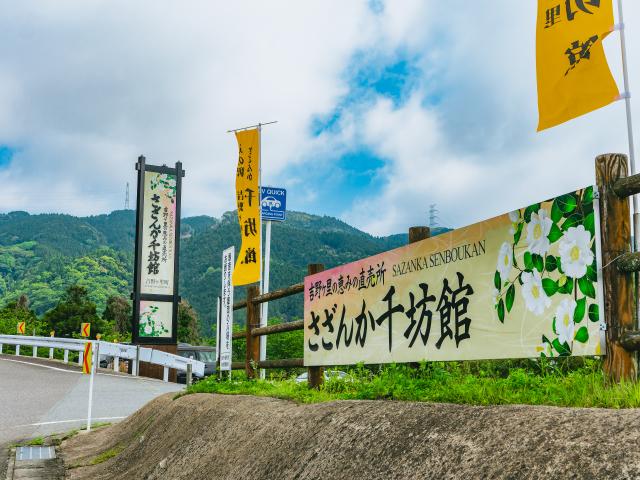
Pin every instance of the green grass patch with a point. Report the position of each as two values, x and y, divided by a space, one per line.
35 441
106 455
573 382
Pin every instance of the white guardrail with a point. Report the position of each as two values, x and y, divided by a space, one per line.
115 350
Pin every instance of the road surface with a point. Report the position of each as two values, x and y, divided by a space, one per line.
39 400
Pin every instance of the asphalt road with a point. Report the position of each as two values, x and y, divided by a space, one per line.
40 400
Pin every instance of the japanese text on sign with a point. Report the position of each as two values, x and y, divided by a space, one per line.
495 289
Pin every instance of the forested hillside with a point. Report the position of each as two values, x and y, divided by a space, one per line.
42 255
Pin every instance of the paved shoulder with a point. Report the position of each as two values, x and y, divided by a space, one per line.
40 400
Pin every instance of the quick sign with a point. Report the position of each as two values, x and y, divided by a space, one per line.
274 203
524 284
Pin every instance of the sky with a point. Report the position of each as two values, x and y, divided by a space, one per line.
383 107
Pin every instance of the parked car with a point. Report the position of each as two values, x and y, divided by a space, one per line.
328 375
204 353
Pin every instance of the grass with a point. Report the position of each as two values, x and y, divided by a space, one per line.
106 455
571 382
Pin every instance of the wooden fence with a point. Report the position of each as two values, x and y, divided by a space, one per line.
619 267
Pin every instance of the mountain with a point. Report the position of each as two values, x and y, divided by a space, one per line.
40 255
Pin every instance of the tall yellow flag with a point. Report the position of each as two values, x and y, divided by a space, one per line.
247 268
573 75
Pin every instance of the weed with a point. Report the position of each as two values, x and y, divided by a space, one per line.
572 382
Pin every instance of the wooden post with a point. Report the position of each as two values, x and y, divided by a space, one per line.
615 230
315 375
253 321
418 233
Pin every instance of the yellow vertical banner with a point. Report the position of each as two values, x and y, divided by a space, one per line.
572 71
87 360
247 268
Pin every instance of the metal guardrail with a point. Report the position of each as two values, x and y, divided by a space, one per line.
116 350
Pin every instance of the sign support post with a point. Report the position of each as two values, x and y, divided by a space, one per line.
94 358
265 306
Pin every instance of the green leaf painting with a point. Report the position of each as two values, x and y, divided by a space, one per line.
550 269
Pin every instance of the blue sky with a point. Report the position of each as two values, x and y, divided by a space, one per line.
383 107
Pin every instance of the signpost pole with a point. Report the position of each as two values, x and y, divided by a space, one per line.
265 306
94 356
632 156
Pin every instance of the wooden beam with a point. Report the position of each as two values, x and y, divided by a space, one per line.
418 233
630 340
628 262
627 186
615 230
276 294
282 363
279 328
253 321
239 336
315 375
239 305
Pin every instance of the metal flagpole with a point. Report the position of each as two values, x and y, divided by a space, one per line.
263 320
262 339
265 306
632 159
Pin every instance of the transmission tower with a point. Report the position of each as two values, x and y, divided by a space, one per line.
126 198
433 216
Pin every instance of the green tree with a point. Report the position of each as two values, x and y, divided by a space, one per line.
188 324
71 311
118 313
18 311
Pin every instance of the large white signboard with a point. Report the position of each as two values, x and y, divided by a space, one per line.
158 234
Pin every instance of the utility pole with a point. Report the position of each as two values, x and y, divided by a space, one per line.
126 198
433 215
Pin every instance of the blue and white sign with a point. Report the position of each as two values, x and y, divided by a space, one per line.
274 203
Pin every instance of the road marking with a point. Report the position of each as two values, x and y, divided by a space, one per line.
40 365
130 377
39 424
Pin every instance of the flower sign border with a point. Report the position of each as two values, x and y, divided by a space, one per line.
553 252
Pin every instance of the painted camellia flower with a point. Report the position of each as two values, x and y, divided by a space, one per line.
575 251
564 320
505 261
537 230
148 329
535 298
545 349
514 217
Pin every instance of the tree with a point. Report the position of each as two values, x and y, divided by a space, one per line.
71 311
188 324
118 313
15 312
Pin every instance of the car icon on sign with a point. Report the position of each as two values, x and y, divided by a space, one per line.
270 203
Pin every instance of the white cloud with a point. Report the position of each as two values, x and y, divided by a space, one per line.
85 87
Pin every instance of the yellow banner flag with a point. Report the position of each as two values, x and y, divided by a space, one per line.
247 268
573 75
